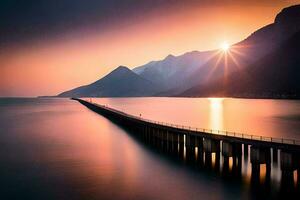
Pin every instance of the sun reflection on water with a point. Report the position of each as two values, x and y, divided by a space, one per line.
230 162
216 113
262 173
295 177
213 160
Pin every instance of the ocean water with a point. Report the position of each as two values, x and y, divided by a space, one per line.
58 149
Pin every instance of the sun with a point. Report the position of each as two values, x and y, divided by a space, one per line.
225 46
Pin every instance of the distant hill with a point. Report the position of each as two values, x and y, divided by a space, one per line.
121 82
274 75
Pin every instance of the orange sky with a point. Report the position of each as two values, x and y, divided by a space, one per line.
51 65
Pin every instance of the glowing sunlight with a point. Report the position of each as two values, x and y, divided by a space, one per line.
216 113
225 46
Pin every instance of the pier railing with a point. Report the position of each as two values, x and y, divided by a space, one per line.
207 131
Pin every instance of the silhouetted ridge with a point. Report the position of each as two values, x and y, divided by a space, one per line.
288 20
121 82
274 76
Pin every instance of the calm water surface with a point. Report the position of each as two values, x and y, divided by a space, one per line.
58 149
274 118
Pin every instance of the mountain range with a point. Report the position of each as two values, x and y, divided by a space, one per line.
264 65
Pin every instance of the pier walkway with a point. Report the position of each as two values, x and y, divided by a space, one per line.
228 143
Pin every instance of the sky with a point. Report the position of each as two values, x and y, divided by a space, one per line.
49 46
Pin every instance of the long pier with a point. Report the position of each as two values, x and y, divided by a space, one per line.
228 143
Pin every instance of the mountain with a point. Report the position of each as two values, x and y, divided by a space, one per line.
215 72
276 75
121 82
288 21
171 71
243 54
275 54
176 74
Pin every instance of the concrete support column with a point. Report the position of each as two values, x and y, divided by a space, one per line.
191 140
260 155
150 135
181 139
287 180
275 155
231 149
181 144
175 139
199 143
168 140
211 145
155 137
225 169
246 150
188 140
227 149
161 139
190 144
208 159
145 136
255 172
288 161
174 142
158 138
